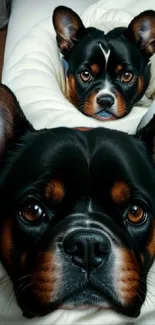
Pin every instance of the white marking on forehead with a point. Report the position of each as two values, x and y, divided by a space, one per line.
106 54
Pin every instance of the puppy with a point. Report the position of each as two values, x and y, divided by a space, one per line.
106 74
77 226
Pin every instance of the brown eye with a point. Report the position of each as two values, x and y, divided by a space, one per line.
86 76
136 214
32 212
127 76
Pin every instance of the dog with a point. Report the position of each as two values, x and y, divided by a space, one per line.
107 74
77 225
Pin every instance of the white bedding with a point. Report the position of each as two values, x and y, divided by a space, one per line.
33 70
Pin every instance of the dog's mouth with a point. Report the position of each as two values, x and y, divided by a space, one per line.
80 299
90 298
86 299
104 116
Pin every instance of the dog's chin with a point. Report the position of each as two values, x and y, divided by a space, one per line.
88 299
85 300
104 116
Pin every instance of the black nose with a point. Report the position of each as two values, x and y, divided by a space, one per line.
105 100
88 248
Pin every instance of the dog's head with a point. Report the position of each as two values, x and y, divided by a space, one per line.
77 225
107 74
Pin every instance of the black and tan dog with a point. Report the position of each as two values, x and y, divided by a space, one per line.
77 223
107 73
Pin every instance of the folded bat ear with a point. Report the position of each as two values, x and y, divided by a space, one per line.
13 123
141 30
147 136
69 29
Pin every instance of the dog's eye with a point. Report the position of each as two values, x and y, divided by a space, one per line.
32 212
86 75
136 214
127 76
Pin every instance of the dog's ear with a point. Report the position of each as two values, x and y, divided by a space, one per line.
69 28
141 30
147 136
13 123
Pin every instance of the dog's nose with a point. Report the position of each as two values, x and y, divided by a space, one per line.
87 248
105 100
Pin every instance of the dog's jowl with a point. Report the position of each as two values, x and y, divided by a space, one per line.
77 225
107 73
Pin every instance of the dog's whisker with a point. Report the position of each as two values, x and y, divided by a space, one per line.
23 277
148 298
10 299
24 288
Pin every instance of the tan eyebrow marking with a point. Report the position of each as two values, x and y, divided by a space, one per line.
120 192
55 190
119 68
95 68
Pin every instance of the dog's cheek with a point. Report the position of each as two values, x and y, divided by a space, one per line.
151 244
6 242
46 277
90 105
72 93
140 86
126 276
121 106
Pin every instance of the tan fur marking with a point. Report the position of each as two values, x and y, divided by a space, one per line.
121 107
90 107
95 68
128 278
120 192
6 240
151 245
55 190
140 85
46 277
23 258
72 95
119 68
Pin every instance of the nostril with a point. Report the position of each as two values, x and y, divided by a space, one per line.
103 248
70 248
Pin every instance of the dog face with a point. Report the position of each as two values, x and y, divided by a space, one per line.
107 74
77 226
